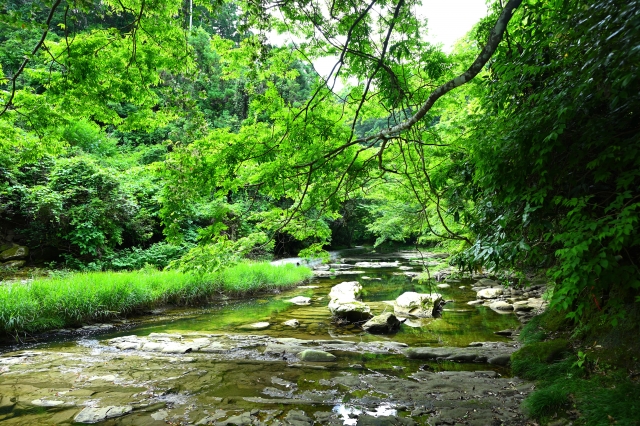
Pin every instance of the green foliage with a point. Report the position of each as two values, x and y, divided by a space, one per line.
218 254
72 299
555 153
88 136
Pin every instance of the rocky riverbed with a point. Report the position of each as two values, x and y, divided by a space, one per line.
257 380
283 360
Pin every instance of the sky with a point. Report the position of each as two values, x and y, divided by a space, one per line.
447 21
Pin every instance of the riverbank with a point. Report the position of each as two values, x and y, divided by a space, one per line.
580 379
46 304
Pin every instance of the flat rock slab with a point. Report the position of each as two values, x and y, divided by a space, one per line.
95 415
498 354
374 265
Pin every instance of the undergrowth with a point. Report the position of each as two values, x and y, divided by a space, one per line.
45 304
578 387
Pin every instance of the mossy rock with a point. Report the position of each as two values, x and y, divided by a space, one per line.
546 352
13 264
14 253
6 246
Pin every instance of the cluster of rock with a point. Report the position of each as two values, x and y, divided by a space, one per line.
13 255
346 307
301 350
525 303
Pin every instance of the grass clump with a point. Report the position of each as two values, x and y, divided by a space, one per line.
70 300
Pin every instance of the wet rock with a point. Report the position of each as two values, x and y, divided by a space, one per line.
96 414
499 353
215 347
300 300
163 336
340 266
176 348
405 268
313 355
297 418
443 286
292 323
503 359
506 333
488 282
126 346
14 253
369 420
382 324
421 305
258 325
489 293
283 349
348 290
353 311
501 307
344 303
243 419
46 403
374 265
335 273
475 302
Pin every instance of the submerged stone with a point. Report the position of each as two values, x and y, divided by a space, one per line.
300 300
258 325
292 323
314 355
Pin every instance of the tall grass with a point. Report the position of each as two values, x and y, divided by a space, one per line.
94 296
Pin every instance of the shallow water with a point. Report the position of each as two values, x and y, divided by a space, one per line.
182 389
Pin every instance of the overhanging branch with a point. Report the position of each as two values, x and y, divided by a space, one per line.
490 47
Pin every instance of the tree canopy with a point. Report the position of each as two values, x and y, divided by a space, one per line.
134 130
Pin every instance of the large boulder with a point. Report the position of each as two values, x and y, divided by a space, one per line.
14 253
348 290
421 305
344 302
489 293
382 324
350 311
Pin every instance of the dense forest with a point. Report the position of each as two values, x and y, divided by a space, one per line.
178 136
139 133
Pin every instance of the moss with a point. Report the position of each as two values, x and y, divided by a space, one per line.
542 351
536 361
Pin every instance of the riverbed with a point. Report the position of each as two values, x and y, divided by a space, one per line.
239 362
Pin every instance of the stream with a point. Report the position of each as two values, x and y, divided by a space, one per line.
242 362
